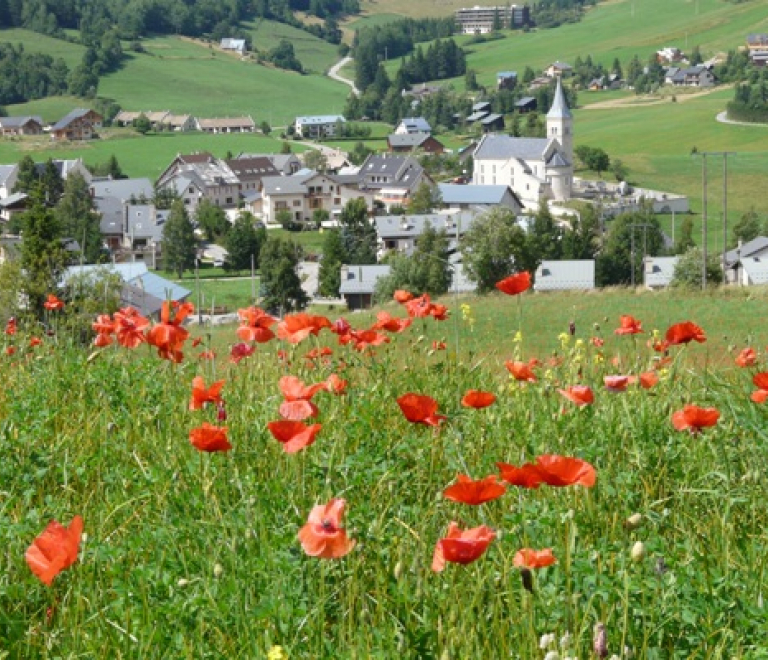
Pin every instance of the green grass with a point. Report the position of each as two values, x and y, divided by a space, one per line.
34 42
188 551
314 54
227 292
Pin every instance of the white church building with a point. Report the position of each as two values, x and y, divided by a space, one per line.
535 168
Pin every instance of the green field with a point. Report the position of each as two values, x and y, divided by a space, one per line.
315 55
187 553
34 42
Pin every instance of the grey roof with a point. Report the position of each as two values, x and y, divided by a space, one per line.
127 271
559 109
145 303
251 196
283 185
361 279
562 275
123 189
452 193
756 268
477 115
659 271
320 119
259 166
481 105
557 160
417 123
410 226
111 210
17 122
561 65
69 118
159 287
5 172
503 147
524 101
233 44
491 119
407 139
12 199
144 221
402 170
748 249
506 74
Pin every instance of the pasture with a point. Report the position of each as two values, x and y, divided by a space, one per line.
188 553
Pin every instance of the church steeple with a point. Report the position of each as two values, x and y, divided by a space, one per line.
560 122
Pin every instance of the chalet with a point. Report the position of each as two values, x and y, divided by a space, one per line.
336 161
668 55
413 125
8 176
420 92
66 167
695 76
226 125
525 104
110 198
286 164
492 122
538 83
565 275
12 205
393 178
457 196
251 171
757 42
126 118
558 70
748 254
236 45
197 176
318 126
28 125
180 122
358 284
80 124
400 233
414 141
506 79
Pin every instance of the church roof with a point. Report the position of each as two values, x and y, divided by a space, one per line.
559 109
557 160
501 147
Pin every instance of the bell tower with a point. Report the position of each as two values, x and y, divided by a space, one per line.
560 122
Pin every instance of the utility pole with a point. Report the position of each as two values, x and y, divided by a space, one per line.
632 227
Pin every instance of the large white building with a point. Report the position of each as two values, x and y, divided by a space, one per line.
480 20
535 168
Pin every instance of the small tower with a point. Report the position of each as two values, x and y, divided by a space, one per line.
560 122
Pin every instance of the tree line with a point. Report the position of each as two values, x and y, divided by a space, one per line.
750 102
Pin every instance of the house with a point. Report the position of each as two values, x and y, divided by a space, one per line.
180 122
336 161
27 125
752 271
80 124
413 125
757 42
695 76
142 289
659 271
669 54
492 122
558 70
8 176
456 196
126 118
482 106
525 104
198 176
110 198
226 125
318 126
398 233
358 284
236 45
285 164
251 171
481 20
506 79
538 83
534 168
596 84
144 225
393 178
413 141
66 167
420 92
565 275
756 249
12 205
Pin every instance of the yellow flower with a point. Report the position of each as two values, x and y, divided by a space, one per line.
599 358
518 337
579 345
277 653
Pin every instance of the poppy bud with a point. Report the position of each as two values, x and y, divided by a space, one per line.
572 328
183 582
638 552
527 579
633 522
218 570
221 415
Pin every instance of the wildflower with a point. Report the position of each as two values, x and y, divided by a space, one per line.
10 326
693 418
461 547
277 653
129 327
546 640
202 395
648 379
520 370
340 327
600 641
526 476
255 325
55 549
420 409
528 558
35 341
478 399
597 342
747 358
438 345
617 383
297 327
240 351
420 307
210 438
402 296
323 535
581 395
629 326
207 355
298 410
564 338
294 435
684 333
518 338
466 315
761 382
335 385
565 471
472 492
52 303
169 335
385 321
515 284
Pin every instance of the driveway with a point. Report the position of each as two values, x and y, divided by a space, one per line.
333 72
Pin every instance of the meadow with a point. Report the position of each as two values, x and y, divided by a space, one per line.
658 547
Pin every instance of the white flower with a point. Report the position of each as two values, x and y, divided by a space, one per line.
546 641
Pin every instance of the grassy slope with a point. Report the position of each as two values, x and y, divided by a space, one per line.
35 42
314 54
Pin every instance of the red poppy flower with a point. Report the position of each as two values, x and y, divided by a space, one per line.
10 350
565 471
240 351
478 399
202 395
420 409
629 326
472 492
298 410
10 326
384 321
758 396
581 395
210 438
103 325
438 345
461 547
597 342
294 435
294 389
35 341
618 383
335 384
255 324
420 307
169 335
747 358
297 327
520 370
323 535
55 549
526 476
317 353
693 419
439 312
515 284
53 303
129 327
340 327
364 339
683 333
649 379
402 296
207 355
528 558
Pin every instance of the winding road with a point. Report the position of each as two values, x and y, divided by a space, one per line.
333 72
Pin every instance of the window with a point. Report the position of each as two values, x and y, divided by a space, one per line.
337 201
229 200
297 202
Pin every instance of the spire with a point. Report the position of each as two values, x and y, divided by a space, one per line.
559 109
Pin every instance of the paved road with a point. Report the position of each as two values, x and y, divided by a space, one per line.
334 73
722 117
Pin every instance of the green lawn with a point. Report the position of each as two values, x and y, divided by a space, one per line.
35 42
315 54
227 292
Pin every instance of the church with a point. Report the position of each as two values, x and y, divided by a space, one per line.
535 168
